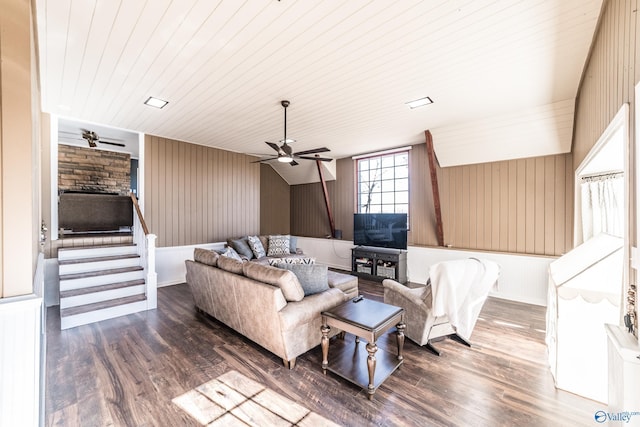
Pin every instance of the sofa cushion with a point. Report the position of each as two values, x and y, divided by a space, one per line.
231 265
345 282
242 247
312 277
206 256
278 245
308 310
284 279
256 246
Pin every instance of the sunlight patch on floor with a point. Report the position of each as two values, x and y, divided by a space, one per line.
233 399
509 324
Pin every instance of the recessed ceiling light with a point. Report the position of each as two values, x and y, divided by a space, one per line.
155 102
419 102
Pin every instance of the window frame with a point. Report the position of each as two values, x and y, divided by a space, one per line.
359 208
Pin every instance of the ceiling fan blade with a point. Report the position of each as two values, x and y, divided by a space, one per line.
322 159
112 143
293 163
286 149
264 160
314 151
274 146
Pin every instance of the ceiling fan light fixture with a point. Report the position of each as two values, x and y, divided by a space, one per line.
155 102
419 102
285 159
287 141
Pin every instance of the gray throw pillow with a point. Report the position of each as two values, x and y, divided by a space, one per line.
293 244
312 277
231 253
242 247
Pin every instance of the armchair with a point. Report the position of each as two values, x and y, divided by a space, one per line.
449 304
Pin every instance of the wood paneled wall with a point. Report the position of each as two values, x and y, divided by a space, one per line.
609 81
19 180
610 75
308 212
422 215
195 194
275 199
343 201
520 206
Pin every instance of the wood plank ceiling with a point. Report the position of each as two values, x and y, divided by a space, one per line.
348 68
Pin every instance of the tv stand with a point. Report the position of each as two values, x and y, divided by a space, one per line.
379 263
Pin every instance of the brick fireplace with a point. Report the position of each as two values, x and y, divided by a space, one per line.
91 170
93 190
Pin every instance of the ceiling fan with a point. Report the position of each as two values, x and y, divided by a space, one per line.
285 152
91 137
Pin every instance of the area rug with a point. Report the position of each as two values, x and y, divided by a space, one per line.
235 400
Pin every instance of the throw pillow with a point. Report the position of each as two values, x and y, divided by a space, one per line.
291 260
206 256
242 247
293 244
278 245
256 246
312 277
231 253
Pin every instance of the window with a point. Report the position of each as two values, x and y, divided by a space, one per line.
383 183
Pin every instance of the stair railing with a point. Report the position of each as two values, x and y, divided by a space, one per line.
146 247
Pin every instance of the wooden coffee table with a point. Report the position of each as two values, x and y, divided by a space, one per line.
360 364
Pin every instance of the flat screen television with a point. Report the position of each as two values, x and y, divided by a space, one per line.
383 230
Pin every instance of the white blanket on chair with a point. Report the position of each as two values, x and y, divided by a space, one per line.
459 289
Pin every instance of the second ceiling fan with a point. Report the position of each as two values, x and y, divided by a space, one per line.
285 152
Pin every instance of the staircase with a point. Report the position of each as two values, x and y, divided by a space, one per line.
99 283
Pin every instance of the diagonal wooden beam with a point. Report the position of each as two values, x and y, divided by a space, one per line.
434 187
326 198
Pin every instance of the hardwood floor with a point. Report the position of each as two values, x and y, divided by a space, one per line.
125 371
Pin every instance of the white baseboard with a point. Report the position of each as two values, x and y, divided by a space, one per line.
171 282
